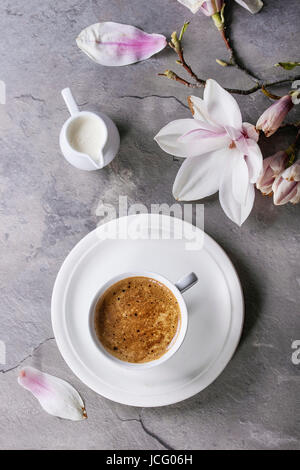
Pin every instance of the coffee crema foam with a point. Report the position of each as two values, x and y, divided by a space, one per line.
136 319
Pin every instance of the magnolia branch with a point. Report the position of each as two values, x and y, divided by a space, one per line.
176 44
219 21
200 83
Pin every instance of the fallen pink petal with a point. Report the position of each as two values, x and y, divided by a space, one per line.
193 5
254 6
114 44
56 396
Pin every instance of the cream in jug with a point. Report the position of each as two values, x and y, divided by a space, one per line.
85 135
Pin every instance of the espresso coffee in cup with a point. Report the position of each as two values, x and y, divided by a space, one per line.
137 319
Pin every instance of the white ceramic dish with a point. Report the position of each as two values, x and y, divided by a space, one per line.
215 306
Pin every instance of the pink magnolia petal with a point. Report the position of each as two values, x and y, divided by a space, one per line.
254 6
210 7
193 5
234 134
169 139
221 106
292 173
199 177
286 187
284 191
115 44
250 131
271 119
56 396
295 199
241 144
236 211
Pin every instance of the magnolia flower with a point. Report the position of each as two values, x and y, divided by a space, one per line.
272 167
116 44
286 187
222 152
272 118
56 396
254 6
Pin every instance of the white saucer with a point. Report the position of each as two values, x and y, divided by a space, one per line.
215 305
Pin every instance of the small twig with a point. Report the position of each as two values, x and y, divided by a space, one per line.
244 92
297 140
293 148
173 76
176 44
201 84
282 82
234 62
290 124
269 94
219 21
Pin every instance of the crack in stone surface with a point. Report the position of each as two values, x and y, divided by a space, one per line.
9 12
154 96
146 430
4 371
30 96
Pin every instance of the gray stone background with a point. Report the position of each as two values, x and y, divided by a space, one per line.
47 206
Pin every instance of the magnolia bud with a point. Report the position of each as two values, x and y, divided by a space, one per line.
272 167
272 118
210 7
286 187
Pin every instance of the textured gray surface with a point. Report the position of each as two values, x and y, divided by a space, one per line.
47 206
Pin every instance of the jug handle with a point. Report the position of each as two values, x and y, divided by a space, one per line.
70 102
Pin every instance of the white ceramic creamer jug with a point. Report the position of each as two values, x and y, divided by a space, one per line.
87 140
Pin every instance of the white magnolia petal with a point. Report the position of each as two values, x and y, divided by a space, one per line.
237 212
251 131
233 133
241 144
199 177
254 160
56 396
198 108
193 5
254 6
205 130
115 44
221 106
169 139
240 180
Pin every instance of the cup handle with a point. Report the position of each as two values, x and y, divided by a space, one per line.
186 282
70 102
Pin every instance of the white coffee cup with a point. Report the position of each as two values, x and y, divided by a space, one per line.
177 289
